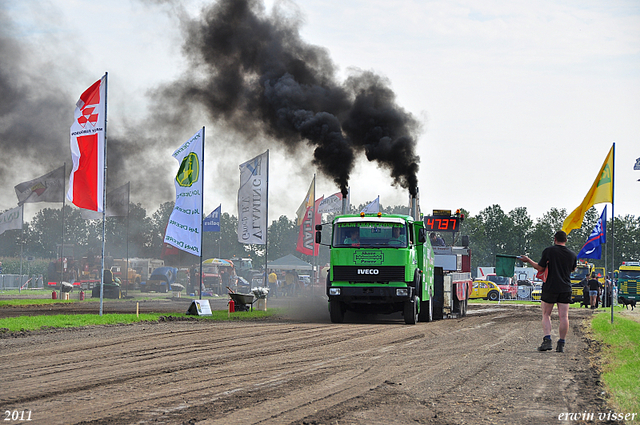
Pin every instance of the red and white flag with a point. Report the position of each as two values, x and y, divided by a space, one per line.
86 182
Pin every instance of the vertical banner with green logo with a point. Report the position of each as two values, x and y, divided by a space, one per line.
185 224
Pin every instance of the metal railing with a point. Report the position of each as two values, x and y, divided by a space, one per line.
16 281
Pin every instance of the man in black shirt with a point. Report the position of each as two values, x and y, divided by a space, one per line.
594 289
559 261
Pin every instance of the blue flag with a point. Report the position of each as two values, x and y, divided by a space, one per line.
593 247
212 221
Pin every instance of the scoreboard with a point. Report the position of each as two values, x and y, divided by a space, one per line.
441 223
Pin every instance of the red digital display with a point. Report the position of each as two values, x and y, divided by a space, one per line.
441 224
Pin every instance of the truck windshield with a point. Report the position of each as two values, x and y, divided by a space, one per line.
363 234
629 274
580 273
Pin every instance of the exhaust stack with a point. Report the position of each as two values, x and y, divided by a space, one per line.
415 205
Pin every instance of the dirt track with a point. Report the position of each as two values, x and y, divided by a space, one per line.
302 369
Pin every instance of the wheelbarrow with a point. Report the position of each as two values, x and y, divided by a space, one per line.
242 302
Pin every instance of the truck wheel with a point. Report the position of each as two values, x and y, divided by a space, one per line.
494 296
426 311
335 311
411 311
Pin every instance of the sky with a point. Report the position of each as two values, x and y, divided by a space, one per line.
507 102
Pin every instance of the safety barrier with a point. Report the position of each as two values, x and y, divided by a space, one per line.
16 281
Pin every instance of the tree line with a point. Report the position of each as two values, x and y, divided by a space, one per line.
492 231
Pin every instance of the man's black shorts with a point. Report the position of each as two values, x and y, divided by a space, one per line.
560 298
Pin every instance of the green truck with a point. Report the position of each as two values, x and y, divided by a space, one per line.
383 264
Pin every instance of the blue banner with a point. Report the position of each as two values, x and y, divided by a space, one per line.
212 221
593 247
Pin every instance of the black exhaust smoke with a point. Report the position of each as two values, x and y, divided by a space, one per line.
253 73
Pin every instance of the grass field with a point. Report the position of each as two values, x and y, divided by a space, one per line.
621 359
31 323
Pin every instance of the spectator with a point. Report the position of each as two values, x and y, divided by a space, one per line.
594 290
559 261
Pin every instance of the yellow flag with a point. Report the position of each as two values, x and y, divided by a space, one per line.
601 191
308 202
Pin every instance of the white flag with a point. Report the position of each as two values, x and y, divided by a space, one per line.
184 229
11 220
331 204
47 188
373 207
308 202
252 200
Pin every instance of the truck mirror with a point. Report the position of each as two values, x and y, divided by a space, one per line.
318 226
318 237
422 236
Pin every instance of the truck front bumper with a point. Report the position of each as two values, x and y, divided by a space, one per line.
371 295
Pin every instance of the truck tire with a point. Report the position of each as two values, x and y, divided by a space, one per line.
335 311
426 311
493 296
411 311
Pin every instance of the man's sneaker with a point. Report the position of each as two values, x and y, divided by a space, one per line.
560 347
546 345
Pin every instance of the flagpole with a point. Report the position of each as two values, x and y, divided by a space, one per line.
22 246
266 238
63 205
313 231
201 212
128 199
104 193
613 219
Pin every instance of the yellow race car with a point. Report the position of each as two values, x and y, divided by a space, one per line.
485 290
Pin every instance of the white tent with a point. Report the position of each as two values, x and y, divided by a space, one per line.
289 262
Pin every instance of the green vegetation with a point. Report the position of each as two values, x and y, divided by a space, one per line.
621 355
34 302
25 323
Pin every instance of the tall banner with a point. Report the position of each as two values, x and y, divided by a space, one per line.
212 221
593 247
47 188
331 204
86 182
306 235
373 207
184 229
117 204
252 200
308 202
11 220
601 191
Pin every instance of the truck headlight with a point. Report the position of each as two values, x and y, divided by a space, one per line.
334 291
402 292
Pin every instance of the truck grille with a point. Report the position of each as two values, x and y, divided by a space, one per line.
368 273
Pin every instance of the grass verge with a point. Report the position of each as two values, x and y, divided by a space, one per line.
621 359
31 323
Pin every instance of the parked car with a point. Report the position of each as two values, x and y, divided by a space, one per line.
485 290
537 292
160 280
506 284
